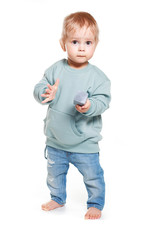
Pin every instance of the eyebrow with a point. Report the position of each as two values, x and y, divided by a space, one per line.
78 38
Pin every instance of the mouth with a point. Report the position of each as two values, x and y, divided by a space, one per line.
80 56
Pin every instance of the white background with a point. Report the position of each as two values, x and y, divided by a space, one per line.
129 54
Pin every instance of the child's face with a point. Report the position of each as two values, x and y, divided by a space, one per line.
80 46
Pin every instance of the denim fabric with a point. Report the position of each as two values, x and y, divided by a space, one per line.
87 164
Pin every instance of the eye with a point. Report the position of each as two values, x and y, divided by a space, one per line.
75 42
88 43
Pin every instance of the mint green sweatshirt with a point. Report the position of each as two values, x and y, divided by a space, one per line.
66 128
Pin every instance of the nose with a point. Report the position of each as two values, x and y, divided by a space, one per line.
81 48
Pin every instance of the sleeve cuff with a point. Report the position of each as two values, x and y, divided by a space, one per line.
90 110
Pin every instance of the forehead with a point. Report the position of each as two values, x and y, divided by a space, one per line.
82 33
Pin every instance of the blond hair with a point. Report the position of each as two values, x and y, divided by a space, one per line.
79 19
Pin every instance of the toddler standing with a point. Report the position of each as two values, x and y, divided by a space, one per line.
73 131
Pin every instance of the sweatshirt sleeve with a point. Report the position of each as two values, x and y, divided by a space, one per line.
99 98
41 87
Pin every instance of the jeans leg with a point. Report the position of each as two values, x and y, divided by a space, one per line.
57 166
89 167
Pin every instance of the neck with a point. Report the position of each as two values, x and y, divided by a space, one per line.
76 65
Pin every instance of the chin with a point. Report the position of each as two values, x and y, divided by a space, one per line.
81 60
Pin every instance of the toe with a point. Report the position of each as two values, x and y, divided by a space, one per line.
43 206
86 216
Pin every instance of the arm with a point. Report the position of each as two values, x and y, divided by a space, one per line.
98 101
43 92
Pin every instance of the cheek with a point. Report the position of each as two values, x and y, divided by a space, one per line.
71 50
91 52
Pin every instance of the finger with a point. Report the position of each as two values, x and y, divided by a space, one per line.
80 110
45 95
46 100
78 107
49 86
48 90
56 84
86 105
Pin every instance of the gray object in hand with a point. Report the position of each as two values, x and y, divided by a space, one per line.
80 98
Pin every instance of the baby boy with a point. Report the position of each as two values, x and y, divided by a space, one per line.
73 131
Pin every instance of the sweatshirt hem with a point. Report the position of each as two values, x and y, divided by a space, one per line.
91 147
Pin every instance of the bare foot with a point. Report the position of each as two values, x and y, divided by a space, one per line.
50 205
93 213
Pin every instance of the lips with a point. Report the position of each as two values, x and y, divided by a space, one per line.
80 56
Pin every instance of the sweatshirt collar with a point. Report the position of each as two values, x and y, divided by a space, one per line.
74 70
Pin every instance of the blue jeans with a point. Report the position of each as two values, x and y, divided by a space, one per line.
87 164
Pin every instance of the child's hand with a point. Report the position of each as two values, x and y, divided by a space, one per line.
50 92
84 108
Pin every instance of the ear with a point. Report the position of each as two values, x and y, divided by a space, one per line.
62 45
